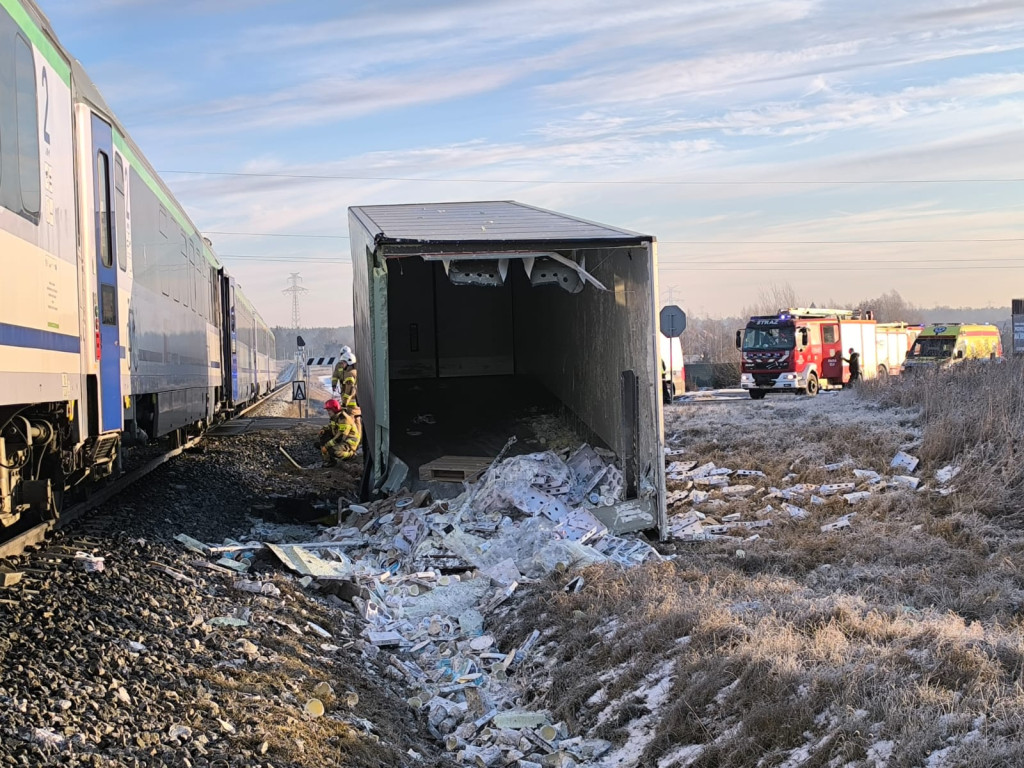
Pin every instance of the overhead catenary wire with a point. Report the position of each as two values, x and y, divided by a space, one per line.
902 241
609 182
750 265
835 268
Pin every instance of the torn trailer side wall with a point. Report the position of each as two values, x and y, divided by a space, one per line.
474 314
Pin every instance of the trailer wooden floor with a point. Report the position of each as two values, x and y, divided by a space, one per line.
475 416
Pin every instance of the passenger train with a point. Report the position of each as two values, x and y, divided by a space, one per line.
117 322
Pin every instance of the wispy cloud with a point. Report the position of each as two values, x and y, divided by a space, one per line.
567 105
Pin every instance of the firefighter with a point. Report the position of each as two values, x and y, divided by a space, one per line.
343 380
340 439
854 361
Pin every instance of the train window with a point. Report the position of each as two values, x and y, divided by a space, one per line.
200 293
187 273
214 298
103 208
163 222
108 304
120 214
28 126
177 271
193 273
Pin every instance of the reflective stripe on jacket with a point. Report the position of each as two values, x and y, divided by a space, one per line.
345 431
348 388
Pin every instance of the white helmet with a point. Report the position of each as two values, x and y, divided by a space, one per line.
347 356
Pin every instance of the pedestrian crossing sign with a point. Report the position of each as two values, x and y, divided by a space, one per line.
298 390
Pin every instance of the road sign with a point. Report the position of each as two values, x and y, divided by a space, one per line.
673 321
298 390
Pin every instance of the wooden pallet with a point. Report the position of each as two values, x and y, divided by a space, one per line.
455 469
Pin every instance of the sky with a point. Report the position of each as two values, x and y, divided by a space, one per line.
844 148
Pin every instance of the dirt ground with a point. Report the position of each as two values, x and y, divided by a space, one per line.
834 610
893 641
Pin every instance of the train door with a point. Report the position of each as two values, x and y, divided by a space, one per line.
125 311
255 357
233 348
108 347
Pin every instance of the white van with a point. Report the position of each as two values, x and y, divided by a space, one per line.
673 370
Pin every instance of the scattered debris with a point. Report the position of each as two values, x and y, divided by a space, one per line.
795 512
867 474
904 461
192 544
314 708
836 466
288 456
89 563
749 473
836 525
425 574
857 496
455 469
833 489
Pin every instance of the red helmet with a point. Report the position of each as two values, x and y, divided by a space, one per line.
332 405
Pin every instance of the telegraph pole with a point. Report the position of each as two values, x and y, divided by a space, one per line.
296 290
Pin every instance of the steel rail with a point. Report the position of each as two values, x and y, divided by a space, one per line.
37 534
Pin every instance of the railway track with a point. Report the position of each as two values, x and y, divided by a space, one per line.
38 533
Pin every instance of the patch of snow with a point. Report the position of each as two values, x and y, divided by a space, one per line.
723 694
642 730
880 752
681 756
937 759
797 757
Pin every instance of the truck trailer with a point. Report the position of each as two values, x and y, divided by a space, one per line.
806 350
476 321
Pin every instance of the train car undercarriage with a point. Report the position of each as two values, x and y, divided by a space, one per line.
41 461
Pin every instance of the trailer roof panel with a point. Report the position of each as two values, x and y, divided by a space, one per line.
486 222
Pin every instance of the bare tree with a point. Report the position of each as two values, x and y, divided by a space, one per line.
771 298
892 308
711 339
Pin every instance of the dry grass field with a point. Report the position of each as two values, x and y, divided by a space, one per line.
894 642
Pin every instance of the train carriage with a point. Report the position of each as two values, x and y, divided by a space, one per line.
41 346
265 356
113 311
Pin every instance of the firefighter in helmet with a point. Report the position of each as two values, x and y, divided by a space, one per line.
343 380
340 438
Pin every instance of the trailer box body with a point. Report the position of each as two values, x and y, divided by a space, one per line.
471 318
859 335
894 341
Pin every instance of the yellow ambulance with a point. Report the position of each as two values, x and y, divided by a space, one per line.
942 344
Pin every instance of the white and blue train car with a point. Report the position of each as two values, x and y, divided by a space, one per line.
41 343
113 311
266 356
242 360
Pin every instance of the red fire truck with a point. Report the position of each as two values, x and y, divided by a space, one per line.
805 350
